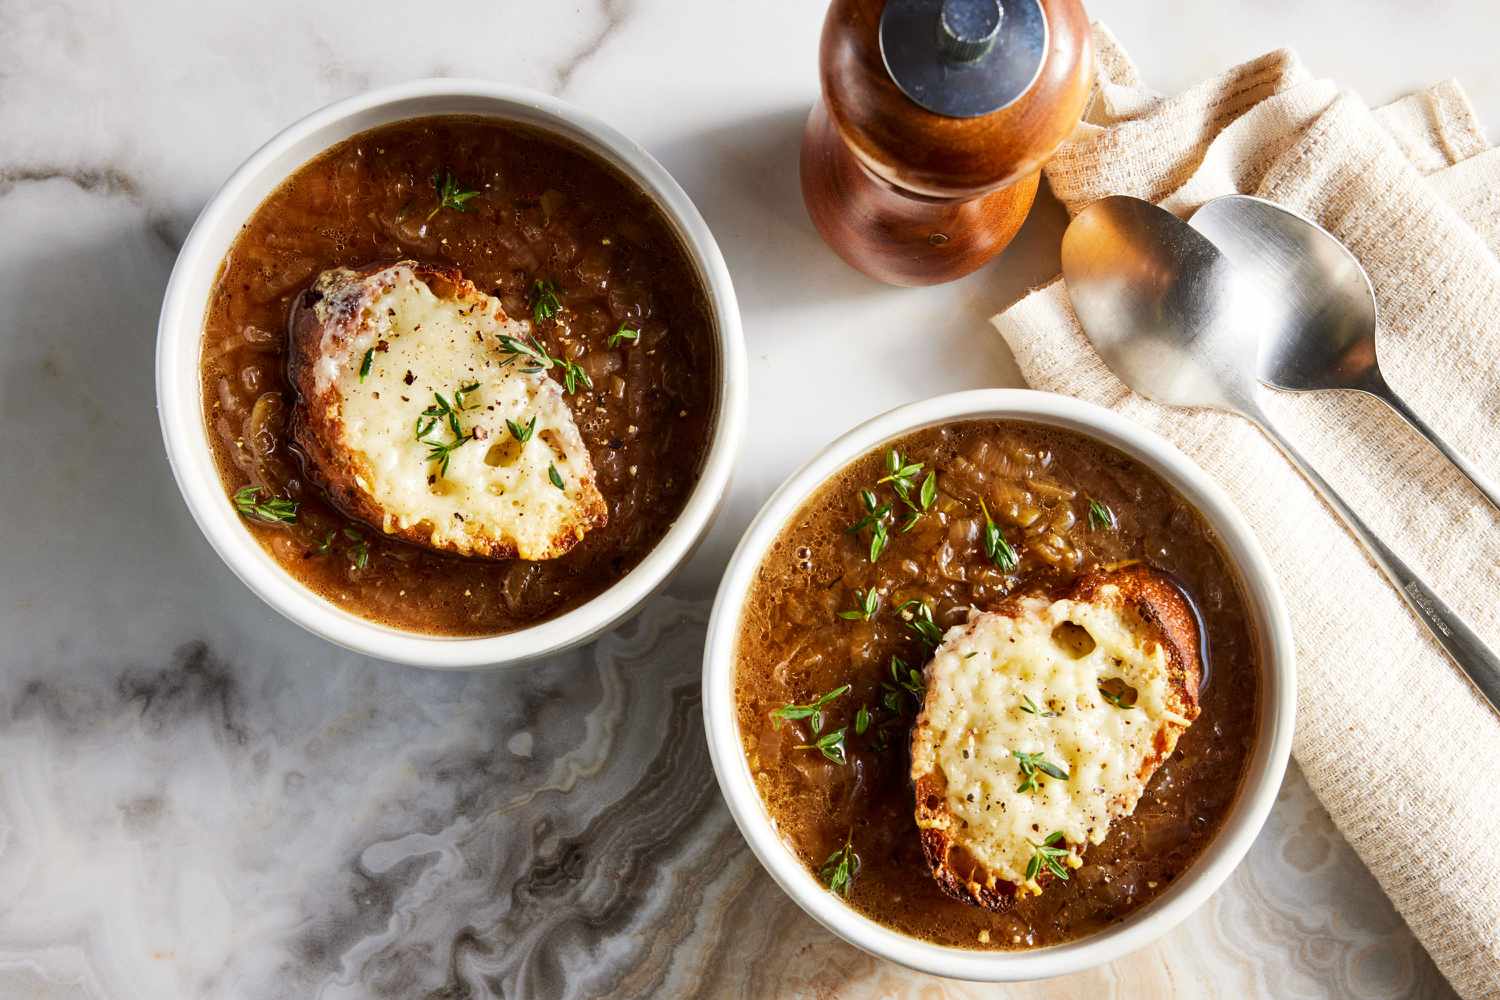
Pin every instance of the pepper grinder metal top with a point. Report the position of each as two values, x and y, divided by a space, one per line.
963 58
922 160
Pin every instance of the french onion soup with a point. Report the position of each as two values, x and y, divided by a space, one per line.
996 685
458 374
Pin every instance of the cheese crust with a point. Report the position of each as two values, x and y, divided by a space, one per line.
1031 679
372 352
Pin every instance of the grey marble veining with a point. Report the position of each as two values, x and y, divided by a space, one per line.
199 800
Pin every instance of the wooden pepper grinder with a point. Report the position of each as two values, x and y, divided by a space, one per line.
922 159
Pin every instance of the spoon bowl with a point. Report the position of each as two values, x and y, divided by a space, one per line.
1163 307
1319 328
1181 323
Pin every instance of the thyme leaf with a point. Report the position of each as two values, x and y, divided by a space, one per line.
544 301
841 868
879 539
441 413
521 432
995 546
539 359
359 554
1101 518
1029 706
926 497
451 194
866 604
905 683
874 512
1033 763
623 334
812 711
898 470
1049 856
830 745
918 618
272 510
574 375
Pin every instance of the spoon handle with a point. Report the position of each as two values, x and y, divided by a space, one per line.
1471 655
1380 390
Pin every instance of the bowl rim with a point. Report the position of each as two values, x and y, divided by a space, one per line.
1269 758
179 402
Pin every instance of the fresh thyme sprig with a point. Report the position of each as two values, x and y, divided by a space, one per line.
1029 706
905 680
903 692
624 333
918 618
926 497
898 471
540 360
1049 856
440 410
451 194
364 366
521 432
813 711
555 478
1033 763
995 546
439 413
841 868
866 604
463 390
272 510
544 301
830 745
901 473
861 720
874 511
359 554
536 357
441 451
1101 518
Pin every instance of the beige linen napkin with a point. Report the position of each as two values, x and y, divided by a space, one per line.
1400 749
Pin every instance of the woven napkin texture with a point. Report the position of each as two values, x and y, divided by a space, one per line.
1404 754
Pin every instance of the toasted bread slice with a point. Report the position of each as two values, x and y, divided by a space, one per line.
404 393
1042 723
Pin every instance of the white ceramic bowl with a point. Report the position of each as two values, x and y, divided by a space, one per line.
1247 815
180 406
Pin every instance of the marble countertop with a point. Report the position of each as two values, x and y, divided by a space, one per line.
199 800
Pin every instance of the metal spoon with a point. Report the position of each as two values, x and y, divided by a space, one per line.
1322 331
1175 320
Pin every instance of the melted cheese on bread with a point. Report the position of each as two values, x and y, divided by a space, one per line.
1030 683
495 496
